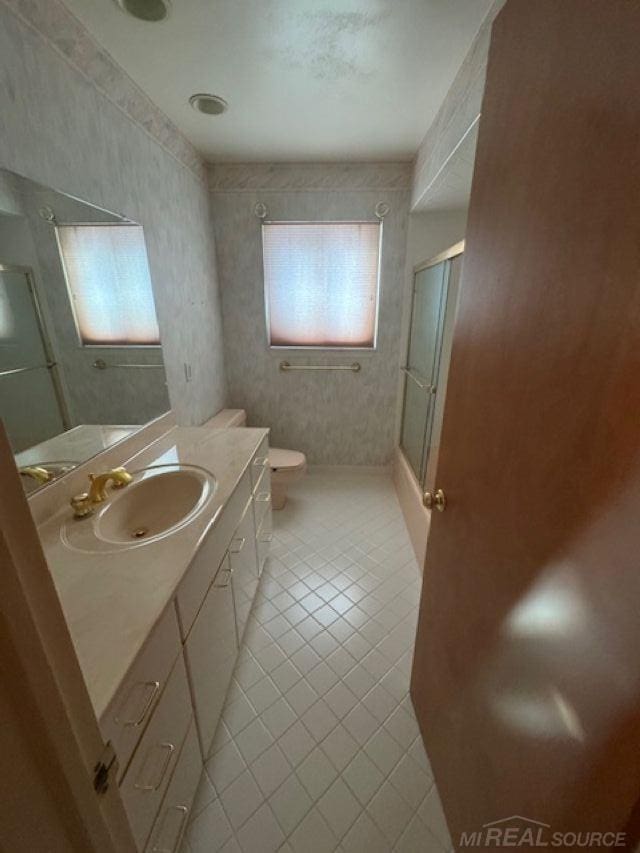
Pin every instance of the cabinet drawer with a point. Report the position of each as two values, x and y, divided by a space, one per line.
210 652
263 483
260 463
244 566
261 506
172 819
204 565
151 767
125 719
263 539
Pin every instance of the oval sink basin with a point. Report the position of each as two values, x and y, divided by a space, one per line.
151 507
157 503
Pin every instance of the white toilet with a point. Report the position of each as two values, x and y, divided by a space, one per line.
287 466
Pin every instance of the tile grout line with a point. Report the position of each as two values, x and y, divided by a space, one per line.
293 557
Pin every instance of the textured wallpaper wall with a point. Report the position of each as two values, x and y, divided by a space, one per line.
335 418
459 110
71 119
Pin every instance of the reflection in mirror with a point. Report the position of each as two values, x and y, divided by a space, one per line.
80 358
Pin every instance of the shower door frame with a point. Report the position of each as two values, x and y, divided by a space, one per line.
434 390
51 364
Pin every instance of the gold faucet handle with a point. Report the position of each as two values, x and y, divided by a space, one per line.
81 505
120 477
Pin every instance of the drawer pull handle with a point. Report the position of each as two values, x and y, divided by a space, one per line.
158 847
153 692
261 461
267 537
227 573
263 497
153 786
238 546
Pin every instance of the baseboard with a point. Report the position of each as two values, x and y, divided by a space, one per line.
351 469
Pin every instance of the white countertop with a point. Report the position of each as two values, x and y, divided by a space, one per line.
113 600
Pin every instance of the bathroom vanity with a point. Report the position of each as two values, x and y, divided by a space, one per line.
157 622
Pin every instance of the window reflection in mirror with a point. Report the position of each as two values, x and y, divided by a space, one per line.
80 358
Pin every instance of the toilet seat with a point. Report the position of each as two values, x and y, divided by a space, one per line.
286 460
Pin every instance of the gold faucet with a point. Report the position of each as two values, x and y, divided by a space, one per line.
120 477
37 472
84 504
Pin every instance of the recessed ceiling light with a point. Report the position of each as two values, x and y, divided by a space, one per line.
211 105
146 10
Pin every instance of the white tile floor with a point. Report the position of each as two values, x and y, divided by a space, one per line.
318 749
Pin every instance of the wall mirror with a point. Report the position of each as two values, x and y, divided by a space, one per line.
80 355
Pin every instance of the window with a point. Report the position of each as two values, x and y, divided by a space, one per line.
109 284
321 283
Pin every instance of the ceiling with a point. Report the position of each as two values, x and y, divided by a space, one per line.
305 79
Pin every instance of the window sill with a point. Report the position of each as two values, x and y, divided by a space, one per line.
300 351
119 346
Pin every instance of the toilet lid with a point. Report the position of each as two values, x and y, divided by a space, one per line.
291 459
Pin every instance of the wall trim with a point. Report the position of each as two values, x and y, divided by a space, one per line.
68 37
309 177
347 470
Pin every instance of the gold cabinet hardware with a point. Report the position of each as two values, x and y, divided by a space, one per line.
171 845
436 500
237 545
223 582
150 690
154 783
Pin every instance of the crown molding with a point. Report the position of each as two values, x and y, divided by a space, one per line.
305 177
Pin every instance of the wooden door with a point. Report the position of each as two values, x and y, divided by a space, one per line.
526 677
49 737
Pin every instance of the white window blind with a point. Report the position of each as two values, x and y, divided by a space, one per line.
321 283
109 284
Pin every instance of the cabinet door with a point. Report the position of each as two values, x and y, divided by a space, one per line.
127 716
244 566
206 562
211 650
170 824
263 539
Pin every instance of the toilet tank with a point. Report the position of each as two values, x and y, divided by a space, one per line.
227 418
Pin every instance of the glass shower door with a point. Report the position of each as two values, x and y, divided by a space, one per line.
29 401
423 359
